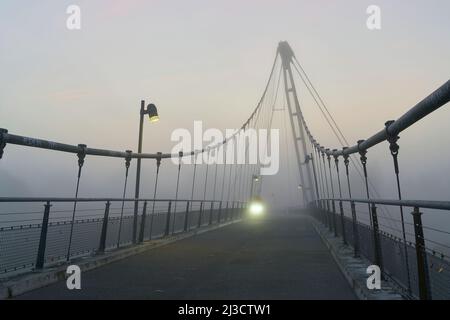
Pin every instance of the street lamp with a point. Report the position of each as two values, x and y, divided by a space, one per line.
255 178
256 208
153 117
152 113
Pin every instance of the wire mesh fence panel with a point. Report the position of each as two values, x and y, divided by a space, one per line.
366 244
86 235
178 222
126 233
208 215
399 261
57 241
159 225
227 214
215 213
19 243
414 274
439 272
18 247
349 232
338 225
394 260
125 225
112 235
205 216
193 219
152 225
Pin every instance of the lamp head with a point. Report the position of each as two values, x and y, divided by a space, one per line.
256 207
152 113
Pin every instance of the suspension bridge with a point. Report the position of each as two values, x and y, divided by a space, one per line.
206 245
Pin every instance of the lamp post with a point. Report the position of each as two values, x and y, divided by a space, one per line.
153 117
255 178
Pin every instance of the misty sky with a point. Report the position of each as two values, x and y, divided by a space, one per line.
209 60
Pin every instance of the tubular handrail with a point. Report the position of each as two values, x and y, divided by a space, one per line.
6 137
434 101
52 145
65 199
426 204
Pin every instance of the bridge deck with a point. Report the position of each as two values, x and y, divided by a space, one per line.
271 258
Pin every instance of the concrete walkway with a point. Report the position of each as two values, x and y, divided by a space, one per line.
268 258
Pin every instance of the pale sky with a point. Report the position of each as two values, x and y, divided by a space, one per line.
209 60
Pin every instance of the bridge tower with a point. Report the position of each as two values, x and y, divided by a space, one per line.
295 116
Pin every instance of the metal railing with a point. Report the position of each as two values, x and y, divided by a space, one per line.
46 239
434 101
408 258
422 272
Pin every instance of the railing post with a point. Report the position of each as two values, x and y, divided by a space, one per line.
334 218
238 216
226 212
376 239
200 215
422 265
169 209
238 211
330 218
186 217
40 259
219 216
211 212
233 209
319 210
144 215
355 230
327 215
102 244
344 236
324 213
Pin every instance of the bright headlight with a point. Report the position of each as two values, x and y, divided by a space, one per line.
256 208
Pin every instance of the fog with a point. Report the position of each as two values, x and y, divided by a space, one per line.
209 62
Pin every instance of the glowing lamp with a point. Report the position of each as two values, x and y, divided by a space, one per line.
256 208
152 113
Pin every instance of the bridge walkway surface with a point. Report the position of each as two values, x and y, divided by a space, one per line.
272 257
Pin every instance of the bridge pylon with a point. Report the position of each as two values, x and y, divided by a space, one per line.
295 115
